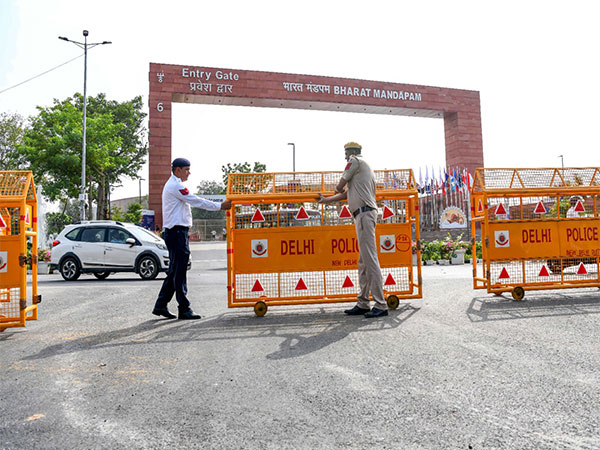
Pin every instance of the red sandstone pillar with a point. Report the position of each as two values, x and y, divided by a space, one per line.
159 127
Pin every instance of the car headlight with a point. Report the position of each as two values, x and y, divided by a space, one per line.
161 246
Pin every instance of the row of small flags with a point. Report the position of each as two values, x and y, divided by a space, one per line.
301 285
450 180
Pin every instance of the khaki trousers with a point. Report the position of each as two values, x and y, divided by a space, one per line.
369 272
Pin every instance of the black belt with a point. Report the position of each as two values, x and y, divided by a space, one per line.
178 227
362 209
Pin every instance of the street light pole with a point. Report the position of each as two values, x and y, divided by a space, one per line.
562 161
140 192
294 156
84 45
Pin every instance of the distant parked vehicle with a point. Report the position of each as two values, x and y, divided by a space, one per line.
102 247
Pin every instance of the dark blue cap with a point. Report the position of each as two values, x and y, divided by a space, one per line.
180 162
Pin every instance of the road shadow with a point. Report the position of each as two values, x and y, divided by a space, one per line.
534 305
300 343
301 331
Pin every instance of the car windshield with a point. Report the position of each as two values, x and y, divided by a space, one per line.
144 235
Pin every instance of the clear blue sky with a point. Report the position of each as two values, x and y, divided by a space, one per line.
533 62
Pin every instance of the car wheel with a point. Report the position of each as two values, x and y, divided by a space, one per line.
69 269
148 267
101 275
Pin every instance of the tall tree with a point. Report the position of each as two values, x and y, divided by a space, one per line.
11 137
208 187
244 167
115 147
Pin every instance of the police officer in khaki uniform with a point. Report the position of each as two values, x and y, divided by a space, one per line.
359 179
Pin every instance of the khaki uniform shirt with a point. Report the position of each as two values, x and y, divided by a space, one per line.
361 183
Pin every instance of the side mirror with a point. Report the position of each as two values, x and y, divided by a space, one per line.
130 241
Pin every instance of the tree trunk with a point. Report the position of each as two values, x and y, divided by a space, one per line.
101 200
90 212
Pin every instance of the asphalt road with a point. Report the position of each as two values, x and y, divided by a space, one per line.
458 369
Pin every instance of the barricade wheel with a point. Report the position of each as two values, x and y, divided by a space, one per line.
260 308
518 293
393 301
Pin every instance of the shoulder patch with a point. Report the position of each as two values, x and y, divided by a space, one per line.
184 191
348 166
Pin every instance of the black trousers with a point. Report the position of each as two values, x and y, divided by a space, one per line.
177 242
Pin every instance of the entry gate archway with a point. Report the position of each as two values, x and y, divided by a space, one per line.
460 109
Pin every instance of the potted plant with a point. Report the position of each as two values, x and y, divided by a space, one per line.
459 249
43 260
426 253
443 249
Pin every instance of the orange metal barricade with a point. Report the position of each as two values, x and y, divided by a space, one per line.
18 222
540 229
283 248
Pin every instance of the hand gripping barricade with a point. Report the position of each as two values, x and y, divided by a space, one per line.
540 229
18 222
283 248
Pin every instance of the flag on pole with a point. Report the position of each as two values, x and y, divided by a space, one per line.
469 181
444 185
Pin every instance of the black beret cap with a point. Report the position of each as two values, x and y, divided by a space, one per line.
180 162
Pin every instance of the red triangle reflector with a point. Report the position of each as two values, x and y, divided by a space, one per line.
301 286
347 282
257 287
387 212
579 207
389 281
2 222
540 208
258 217
503 274
480 206
27 218
302 214
500 209
543 272
345 213
581 269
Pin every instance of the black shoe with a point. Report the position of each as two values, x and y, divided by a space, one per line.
188 315
376 312
163 312
356 311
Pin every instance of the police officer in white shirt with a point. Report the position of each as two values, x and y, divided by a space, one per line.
177 219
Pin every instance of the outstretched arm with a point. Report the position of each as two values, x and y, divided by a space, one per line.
341 193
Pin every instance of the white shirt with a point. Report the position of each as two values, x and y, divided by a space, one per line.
176 201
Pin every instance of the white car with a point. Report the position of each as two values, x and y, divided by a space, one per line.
101 247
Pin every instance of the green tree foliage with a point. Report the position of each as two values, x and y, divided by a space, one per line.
133 214
115 147
11 137
242 168
208 187
57 221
